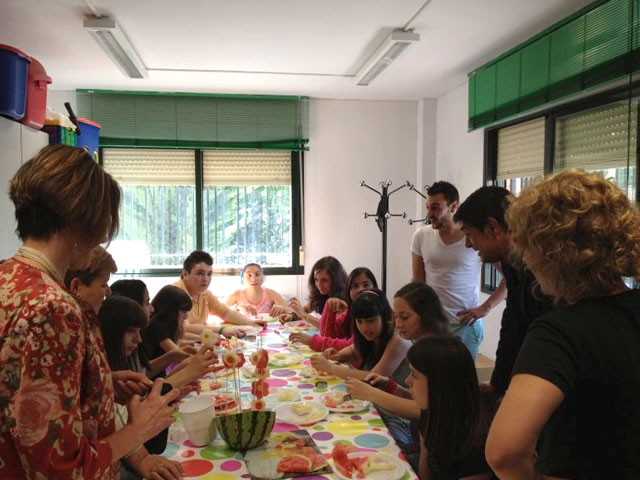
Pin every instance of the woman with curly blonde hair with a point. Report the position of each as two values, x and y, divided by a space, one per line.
576 384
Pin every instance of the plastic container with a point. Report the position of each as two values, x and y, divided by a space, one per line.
89 137
14 69
60 134
36 95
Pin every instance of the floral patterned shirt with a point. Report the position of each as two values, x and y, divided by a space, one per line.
56 395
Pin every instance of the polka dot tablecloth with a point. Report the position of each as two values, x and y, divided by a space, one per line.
363 429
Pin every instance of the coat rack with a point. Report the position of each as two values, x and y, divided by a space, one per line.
382 215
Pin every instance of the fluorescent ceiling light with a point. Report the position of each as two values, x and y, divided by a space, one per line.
396 43
113 41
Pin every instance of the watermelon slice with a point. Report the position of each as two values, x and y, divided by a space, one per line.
295 464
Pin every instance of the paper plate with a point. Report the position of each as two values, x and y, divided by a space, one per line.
284 394
285 359
299 326
286 414
349 406
396 474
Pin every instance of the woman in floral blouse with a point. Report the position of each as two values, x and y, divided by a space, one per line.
56 388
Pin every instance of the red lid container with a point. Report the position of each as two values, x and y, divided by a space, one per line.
35 111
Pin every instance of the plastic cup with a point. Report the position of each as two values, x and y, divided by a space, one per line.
198 416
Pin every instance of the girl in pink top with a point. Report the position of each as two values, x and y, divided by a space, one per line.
336 326
255 298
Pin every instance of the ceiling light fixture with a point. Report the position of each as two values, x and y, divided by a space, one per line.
114 42
396 43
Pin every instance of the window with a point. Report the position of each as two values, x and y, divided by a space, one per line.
598 134
241 206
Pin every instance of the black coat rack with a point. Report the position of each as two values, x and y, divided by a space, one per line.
382 215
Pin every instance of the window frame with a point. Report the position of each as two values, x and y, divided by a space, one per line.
624 92
297 219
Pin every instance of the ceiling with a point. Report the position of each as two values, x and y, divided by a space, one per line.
294 47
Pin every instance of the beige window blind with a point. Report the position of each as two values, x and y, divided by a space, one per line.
142 166
597 139
521 150
246 167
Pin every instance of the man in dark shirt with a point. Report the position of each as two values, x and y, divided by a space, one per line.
481 217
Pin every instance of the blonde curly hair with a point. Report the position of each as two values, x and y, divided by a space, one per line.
578 233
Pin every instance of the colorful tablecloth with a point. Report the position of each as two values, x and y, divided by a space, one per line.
363 429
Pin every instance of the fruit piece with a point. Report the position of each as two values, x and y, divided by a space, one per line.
295 464
260 358
261 373
259 388
377 463
241 360
258 404
209 339
230 359
341 460
301 408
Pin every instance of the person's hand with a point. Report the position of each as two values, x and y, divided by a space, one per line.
189 350
278 310
233 332
376 380
359 389
127 383
294 303
249 309
300 337
321 364
337 305
203 362
152 415
330 353
157 467
259 322
469 316
286 318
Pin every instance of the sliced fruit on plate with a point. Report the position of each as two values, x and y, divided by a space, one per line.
305 462
301 409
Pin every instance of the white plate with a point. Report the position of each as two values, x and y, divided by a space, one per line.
250 329
348 406
299 326
396 474
290 358
294 392
285 413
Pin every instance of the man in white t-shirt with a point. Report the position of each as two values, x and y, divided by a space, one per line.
441 259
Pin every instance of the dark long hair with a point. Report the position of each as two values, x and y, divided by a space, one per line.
425 302
130 287
371 303
355 273
117 314
166 304
133 289
455 421
338 283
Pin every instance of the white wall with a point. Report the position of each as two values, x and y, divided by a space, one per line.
353 141
459 160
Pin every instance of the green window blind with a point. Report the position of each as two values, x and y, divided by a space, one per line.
597 139
592 47
242 167
150 119
521 150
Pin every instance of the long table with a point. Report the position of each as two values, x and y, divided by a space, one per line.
216 461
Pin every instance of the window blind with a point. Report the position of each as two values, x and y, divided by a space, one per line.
142 166
183 120
521 150
596 45
600 138
242 167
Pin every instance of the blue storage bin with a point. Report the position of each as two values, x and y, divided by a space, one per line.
89 137
14 68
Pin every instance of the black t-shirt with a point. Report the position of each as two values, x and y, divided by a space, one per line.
473 463
591 352
153 335
524 304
